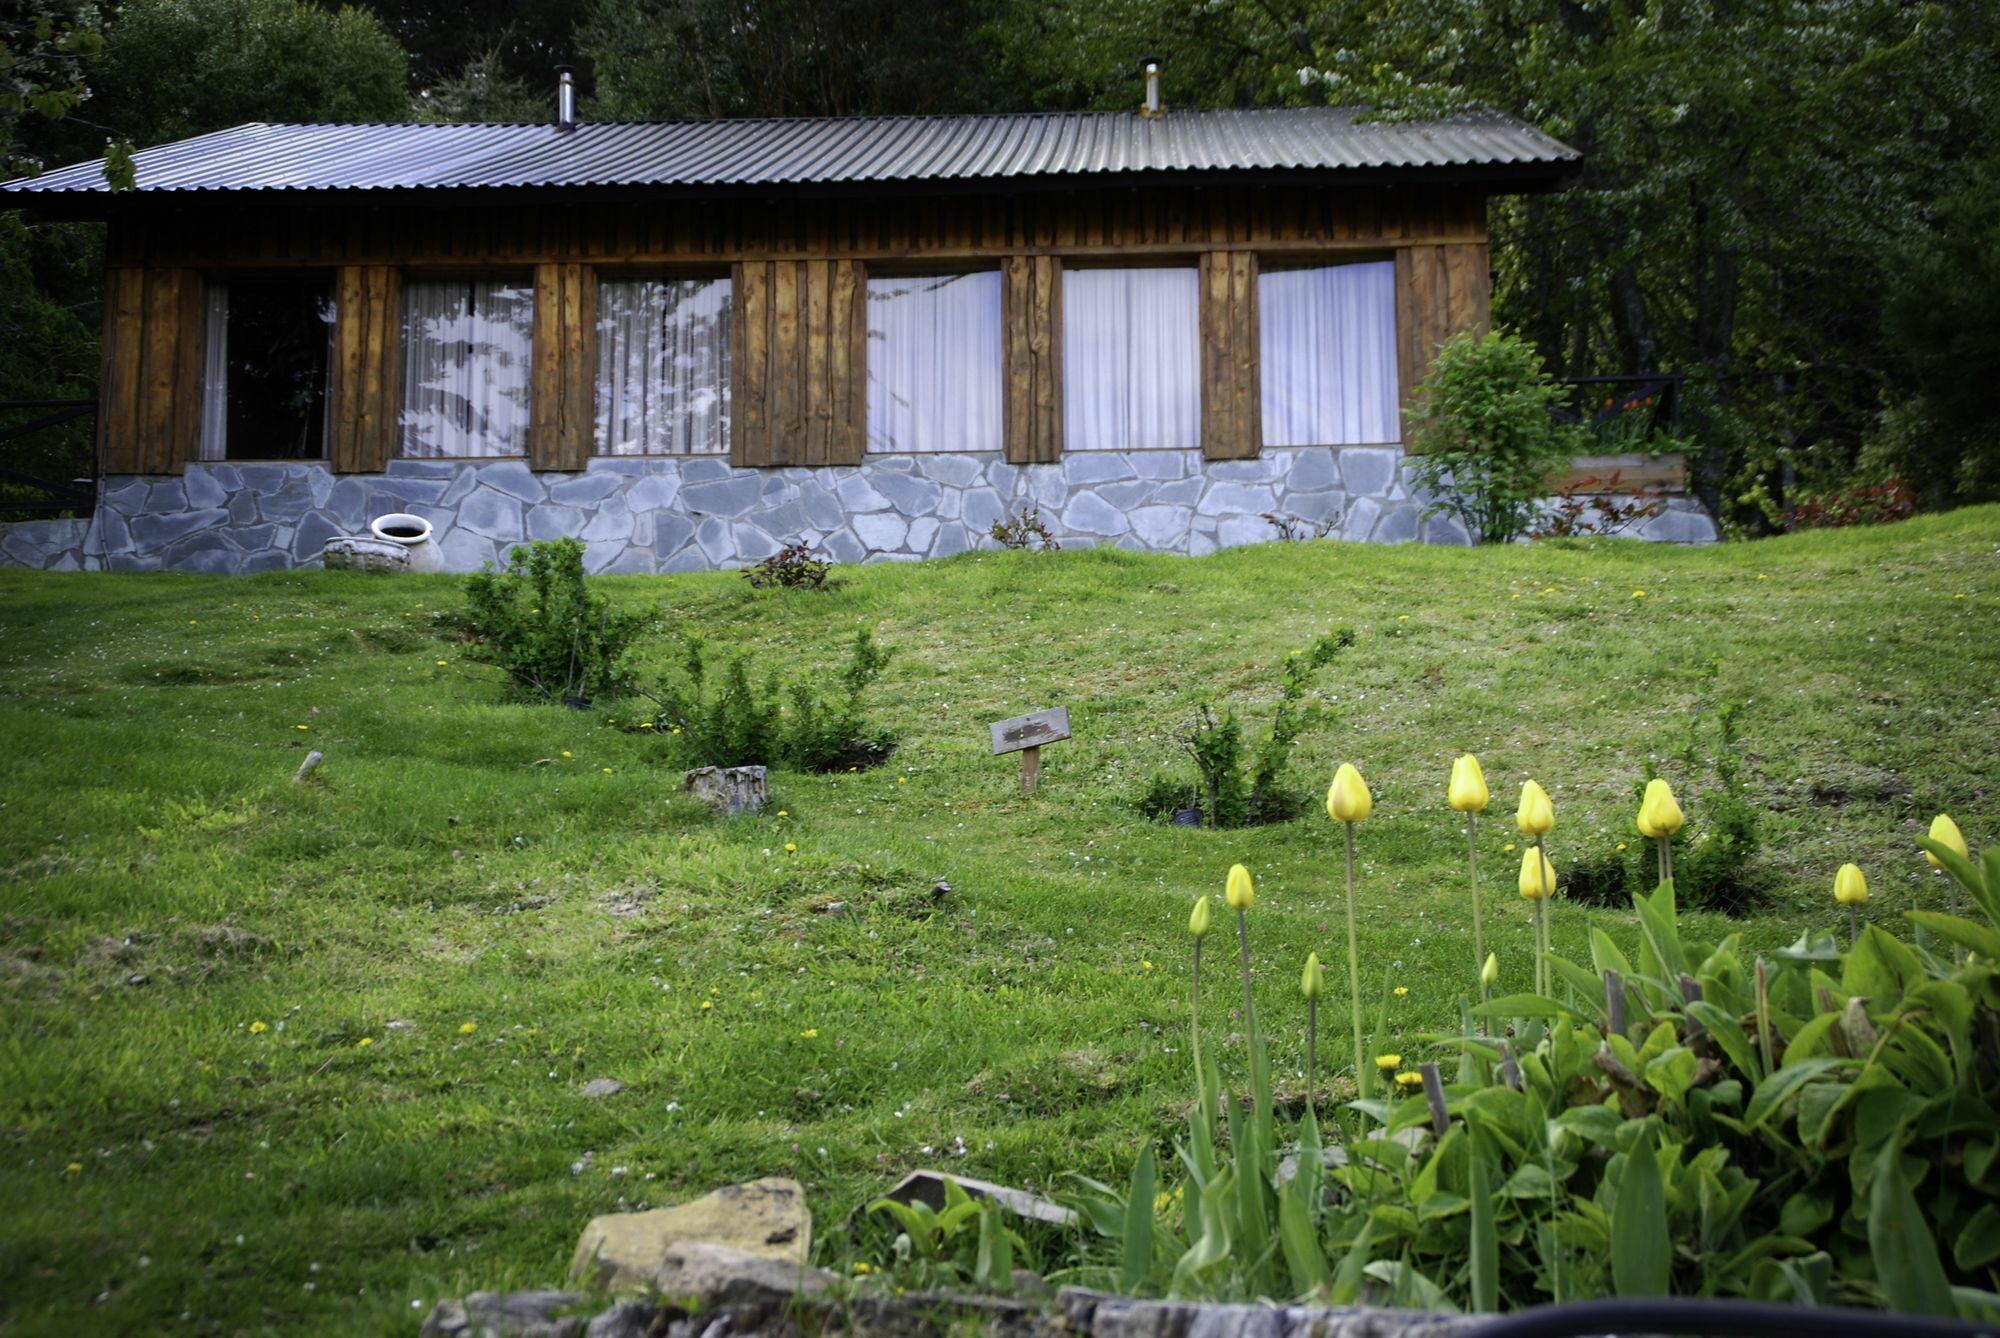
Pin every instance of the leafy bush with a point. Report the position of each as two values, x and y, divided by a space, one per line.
1820 1127
540 621
1234 787
727 721
792 567
1024 529
1483 424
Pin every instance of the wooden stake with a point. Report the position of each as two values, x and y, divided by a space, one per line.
1031 768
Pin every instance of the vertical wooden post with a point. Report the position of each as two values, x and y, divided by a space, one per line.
1031 768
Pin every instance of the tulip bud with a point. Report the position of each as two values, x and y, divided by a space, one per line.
1348 800
1313 983
1659 814
1467 793
1489 974
1946 833
1849 887
1538 876
1198 921
1238 893
1536 815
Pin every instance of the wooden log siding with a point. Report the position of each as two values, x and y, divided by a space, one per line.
367 372
798 342
799 363
1440 291
1031 318
562 393
149 419
1232 410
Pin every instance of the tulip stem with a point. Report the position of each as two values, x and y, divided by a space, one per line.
1312 1048
1249 1009
1353 968
1194 996
1666 860
1478 930
1853 925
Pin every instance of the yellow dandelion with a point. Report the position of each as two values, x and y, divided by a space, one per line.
1401 991
467 1028
567 753
258 1029
645 724
901 779
810 1033
861 1269
1388 1063
1621 845
301 726
74 1168
1508 848
791 849
1145 966
783 814
605 770
1402 617
443 663
1638 594
366 1043
1407 1081
707 1004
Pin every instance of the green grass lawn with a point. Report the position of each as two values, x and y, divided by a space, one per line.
476 907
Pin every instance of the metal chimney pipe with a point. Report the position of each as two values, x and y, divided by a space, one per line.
1154 107
565 98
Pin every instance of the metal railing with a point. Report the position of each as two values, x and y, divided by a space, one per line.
26 495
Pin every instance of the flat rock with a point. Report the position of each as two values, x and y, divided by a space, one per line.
543 1314
603 1087
716 1276
767 1218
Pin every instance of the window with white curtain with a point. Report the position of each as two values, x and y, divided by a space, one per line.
663 366
466 363
1131 359
1328 355
264 373
934 363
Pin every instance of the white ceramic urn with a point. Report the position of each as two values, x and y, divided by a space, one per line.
414 534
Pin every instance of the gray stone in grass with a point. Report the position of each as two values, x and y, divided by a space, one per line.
728 790
718 1277
598 1088
541 1314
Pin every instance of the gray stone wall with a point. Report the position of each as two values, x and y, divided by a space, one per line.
44 545
696 513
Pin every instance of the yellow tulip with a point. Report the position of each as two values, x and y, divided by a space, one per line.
1946 833
1538 876
1348 800
1198 921
1489 974
1467 793
1850 888
1536 815
1238 893
1313 982
1659 814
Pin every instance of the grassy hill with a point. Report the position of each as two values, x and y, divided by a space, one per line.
476 907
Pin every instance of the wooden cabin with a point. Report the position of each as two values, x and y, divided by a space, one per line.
688 344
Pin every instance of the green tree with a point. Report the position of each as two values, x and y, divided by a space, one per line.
175 68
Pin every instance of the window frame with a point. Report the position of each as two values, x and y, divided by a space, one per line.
1335 259
211 280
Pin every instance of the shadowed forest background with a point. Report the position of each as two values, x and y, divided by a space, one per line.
1795 204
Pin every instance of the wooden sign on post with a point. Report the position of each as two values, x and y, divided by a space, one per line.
1025 734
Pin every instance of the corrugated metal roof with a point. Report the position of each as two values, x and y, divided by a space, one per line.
818 152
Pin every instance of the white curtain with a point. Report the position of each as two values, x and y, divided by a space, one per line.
215 375
663 367
934 363
1131 361
1329 355
466 363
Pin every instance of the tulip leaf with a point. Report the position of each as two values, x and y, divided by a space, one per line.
1906 1257
1984 885
1137 1259
1966 933
1303 1256
993 1264
1978 1244
1727 1032
1773 1090
1589 988
1820 946
1641 1249
1880 968
1485 1242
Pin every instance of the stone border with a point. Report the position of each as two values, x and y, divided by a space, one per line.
701 513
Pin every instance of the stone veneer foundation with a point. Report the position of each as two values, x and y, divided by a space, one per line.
696 513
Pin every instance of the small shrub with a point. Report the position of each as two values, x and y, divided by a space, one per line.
1591 506
1297 529
727 720
792 567
539 620
1862 504
1237 788
1025 529
1487 440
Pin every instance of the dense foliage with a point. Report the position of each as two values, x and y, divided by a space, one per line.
538 619
725 720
